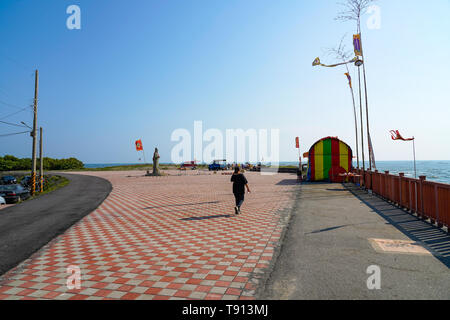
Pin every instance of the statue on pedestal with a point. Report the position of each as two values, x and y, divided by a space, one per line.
156 163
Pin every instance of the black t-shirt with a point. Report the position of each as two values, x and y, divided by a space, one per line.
239 182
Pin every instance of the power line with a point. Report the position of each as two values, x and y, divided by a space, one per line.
10 105
12 124
22 66
13 134
14 113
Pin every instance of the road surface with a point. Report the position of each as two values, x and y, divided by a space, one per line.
28 226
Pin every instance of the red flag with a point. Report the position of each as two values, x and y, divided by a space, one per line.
297 143
395 135
139 146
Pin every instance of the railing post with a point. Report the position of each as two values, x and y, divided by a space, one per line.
421 179
401 175
410 195
377 183
436 199
386 173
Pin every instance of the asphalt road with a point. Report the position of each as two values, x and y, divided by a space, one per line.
28 226
326 252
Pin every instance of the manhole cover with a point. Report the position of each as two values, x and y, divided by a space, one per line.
398 246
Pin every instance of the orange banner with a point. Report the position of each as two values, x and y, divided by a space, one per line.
139 146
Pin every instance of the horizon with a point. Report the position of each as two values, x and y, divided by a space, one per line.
144 70
282 161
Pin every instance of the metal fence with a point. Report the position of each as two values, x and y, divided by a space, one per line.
430 200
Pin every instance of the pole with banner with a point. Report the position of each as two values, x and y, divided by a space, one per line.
140 147
395 135
297 145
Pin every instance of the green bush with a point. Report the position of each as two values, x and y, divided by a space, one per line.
11 163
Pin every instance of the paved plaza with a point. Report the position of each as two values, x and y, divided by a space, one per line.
170 237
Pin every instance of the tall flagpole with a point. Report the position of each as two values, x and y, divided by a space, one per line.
356 121
365 93
143 153
367 104
362 126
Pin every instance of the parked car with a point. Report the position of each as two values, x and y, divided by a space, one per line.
2 201
26 182
13 193
217 165
189 164
257 167
8 180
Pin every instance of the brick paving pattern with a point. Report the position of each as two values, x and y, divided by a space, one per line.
172 237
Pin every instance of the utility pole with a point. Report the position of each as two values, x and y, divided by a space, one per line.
41 162
34 134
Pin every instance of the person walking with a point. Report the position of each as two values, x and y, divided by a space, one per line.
239 185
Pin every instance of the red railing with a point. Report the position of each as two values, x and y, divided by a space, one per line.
430 200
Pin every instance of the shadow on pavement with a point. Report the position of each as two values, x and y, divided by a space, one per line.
434 239
207 217
288 182
181 205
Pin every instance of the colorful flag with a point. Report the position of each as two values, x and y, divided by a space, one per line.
317 62
139 146
297 143
349 79
395 135
357 44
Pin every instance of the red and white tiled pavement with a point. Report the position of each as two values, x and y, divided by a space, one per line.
171 237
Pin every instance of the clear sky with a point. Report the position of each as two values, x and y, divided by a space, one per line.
143 68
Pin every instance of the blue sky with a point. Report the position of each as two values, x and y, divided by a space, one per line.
143 68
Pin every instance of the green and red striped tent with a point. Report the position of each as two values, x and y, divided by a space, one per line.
328 158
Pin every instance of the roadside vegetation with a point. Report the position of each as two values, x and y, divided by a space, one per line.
11 163
52 183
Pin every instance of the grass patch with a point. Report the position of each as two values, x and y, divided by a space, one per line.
53 183
131 167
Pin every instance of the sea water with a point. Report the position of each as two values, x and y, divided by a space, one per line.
434 170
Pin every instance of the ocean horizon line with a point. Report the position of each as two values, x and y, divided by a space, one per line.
287 161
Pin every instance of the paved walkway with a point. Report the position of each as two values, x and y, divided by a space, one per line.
172 237
328 249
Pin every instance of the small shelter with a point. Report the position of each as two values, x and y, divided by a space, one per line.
328 160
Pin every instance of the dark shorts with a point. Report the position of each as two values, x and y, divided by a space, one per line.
239 198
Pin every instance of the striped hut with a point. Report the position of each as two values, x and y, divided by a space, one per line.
328 159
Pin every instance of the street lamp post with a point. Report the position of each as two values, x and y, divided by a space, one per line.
358 64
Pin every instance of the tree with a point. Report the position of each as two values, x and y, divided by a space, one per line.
353 9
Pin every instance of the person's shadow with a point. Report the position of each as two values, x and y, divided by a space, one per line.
207 217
